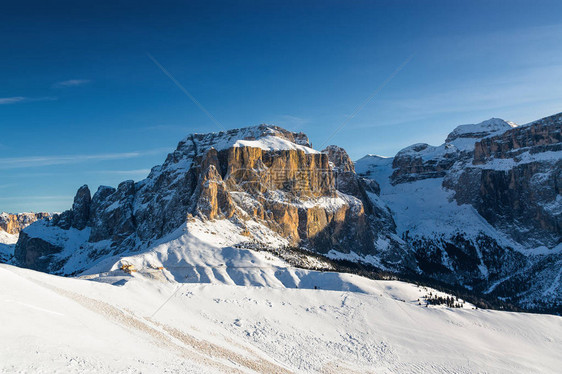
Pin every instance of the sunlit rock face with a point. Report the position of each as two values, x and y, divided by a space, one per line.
14 223
262 174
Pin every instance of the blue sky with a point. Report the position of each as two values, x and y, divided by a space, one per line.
81 101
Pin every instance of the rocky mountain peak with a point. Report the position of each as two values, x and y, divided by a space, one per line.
422 161
264 175
266 137
339 158
490 127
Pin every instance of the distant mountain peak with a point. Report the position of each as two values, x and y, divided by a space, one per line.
492 126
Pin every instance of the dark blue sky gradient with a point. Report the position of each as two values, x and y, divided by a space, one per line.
303 65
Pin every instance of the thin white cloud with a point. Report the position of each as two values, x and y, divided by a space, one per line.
11 100
72 83
33 197
36 161
524 88
123 172
521 95
22 99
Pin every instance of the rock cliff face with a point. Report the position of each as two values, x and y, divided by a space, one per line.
14 223
421 161
515 179
264 175
483 210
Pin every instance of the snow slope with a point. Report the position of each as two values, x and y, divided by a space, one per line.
425 208
200 301
74 325
6 238
7 244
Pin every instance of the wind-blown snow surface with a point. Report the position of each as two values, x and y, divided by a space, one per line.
51 323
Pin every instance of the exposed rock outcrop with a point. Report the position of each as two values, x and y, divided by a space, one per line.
421 161
537 137
36 253
515 180
14 223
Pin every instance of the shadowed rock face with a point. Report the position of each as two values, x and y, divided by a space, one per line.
540 136
14 223
506 181
78 216
344 170
265 174
524 197
35 253
412 163
514 182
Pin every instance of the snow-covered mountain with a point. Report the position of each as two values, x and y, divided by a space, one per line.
267 182
219 261
483 210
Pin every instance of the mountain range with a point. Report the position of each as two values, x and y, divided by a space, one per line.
481 212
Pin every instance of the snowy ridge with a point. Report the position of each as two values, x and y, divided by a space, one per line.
461 139
491 127
218 252
6 238
522 158
266 137
428 152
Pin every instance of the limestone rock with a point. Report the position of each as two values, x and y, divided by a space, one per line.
14 223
